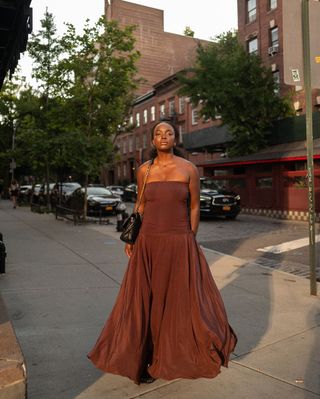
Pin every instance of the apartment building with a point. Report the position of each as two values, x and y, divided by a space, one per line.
163 101
260 27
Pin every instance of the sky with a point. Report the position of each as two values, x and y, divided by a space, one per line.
207 18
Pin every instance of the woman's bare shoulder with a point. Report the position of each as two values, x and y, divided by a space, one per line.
187 164
143 168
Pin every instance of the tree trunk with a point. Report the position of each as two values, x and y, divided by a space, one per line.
85 202
48 186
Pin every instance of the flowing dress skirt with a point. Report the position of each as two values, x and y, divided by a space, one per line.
169 317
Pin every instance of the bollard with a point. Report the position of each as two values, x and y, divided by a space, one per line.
121 215
3 255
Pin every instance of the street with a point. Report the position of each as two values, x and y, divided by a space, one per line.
247 235
62 281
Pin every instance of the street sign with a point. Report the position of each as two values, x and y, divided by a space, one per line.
292 42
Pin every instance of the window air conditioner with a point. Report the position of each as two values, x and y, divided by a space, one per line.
273 50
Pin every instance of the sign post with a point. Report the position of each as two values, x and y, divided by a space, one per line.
302 68
309 136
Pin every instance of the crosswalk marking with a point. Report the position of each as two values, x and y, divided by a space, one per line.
288 246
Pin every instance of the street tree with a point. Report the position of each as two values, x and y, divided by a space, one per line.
9 96
98 72
38 130
235 85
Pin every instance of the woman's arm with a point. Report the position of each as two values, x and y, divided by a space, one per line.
194 189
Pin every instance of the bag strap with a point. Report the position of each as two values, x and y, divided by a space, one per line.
144 185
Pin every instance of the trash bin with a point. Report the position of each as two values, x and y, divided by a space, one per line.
2 256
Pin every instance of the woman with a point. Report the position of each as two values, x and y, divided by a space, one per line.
14 192
169 320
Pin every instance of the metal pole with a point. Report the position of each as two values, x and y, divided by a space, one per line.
309 136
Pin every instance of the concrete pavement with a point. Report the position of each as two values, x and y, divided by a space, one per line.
60 286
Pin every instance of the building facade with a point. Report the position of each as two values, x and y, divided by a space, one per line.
134 145
162 53
260 27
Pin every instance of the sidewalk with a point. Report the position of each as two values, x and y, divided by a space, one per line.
60 286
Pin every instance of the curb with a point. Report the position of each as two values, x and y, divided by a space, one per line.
13 380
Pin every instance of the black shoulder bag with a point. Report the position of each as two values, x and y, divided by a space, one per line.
132 224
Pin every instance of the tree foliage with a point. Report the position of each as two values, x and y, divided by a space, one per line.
84 89
235 85
188 32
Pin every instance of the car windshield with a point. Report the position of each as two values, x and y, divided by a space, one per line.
212 184
98 191
67 187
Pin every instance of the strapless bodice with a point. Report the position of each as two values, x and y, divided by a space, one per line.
166 207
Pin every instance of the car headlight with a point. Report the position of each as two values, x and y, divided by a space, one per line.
204 198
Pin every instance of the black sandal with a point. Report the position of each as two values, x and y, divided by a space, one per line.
146 378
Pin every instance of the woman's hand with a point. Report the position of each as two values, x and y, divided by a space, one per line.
128 249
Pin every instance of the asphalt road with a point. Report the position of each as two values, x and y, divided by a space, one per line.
247 234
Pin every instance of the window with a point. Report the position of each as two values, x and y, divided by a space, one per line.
124 170
273 4
119 171
264 182
194 117
274 37
252 10
144 143
130 143
131 120
171 107
276 78
182 105
153 113
138 119
162 110
124 146
253 46
145 116
182 130
137 142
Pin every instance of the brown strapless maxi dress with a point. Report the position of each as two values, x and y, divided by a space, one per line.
169 313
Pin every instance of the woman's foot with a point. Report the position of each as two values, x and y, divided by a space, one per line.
146 378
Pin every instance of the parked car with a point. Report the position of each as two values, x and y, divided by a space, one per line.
117 190
62 191
39 193
101 201
130 192
216 200
25 192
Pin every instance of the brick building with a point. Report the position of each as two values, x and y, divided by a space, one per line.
163 100
260 29
162 53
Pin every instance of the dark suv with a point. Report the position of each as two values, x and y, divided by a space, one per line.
216 200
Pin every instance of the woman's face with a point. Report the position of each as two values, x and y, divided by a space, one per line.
163 137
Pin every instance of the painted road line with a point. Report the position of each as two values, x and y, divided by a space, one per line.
288 246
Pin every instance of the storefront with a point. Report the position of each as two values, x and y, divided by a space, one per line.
272 182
